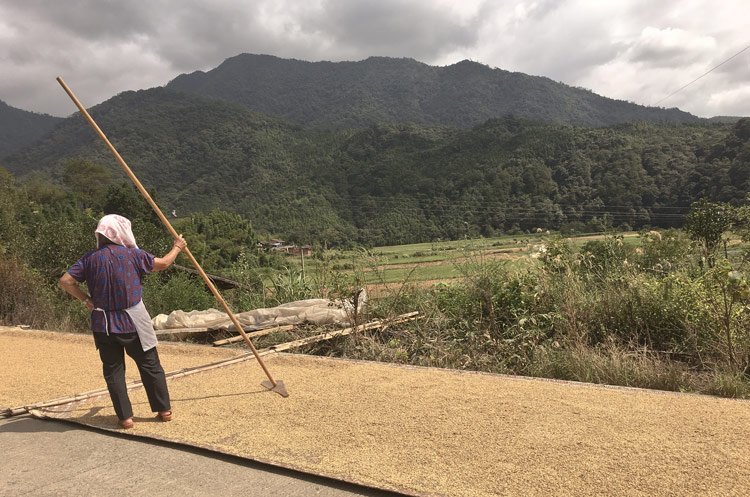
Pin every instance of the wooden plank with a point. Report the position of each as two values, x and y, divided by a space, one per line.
178 331
253 334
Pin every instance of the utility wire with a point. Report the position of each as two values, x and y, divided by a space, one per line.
699 77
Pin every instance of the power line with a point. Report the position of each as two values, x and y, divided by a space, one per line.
425 201
699 77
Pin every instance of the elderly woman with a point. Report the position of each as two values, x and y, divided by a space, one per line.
119 319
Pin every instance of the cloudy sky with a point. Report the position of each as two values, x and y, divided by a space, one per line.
636 50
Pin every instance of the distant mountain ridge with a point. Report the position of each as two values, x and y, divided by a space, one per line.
392 184
19 128
337 95
400 183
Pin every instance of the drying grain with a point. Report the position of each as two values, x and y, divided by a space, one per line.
436 432
41 365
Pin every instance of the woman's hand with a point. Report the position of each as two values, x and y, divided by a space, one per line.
72 287
162 263
179 242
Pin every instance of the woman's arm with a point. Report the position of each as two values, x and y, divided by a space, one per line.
162 263
71 286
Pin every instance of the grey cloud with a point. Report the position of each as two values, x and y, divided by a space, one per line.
389 27
92 19
736 70
654 53
105 46
561 44
725 80
542 8
646 12
201 35
20 54
571 62
664 56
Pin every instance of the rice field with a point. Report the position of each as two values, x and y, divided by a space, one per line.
442 260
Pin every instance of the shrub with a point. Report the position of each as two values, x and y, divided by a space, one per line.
664 252
23 299
603 258
611 365
26 298
167 292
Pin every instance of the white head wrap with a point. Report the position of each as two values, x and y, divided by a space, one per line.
117 229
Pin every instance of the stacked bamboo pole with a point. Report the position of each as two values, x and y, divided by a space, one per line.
253 334
403 318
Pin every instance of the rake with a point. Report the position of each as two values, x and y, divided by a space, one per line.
271 384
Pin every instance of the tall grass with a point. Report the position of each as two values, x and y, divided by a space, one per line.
606 313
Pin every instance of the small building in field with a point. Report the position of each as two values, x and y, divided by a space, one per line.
271 244
305 250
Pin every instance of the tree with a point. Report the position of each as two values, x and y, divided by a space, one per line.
217 238
12 205
88 181
707 222
43 191
123 199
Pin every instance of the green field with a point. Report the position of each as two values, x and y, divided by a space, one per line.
441 260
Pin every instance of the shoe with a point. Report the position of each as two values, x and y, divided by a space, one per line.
165 416
126 424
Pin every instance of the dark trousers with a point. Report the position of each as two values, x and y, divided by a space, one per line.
111 351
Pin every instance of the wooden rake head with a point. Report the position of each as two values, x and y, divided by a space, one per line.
276 386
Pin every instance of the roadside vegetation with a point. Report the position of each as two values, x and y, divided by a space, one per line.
665 309
664 314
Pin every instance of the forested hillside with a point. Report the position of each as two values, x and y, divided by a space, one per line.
200 154
338 95
19 128
406 183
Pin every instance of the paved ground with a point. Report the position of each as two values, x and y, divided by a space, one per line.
50 458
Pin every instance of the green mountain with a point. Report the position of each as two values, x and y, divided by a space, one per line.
402 183
19 128
397 91
198 154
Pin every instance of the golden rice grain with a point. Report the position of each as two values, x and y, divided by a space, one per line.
437 432
41 365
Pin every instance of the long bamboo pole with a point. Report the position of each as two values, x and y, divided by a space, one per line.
271 384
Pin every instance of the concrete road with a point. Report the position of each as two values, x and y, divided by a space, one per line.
51 458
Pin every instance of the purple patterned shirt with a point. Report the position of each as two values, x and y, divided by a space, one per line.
113 275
